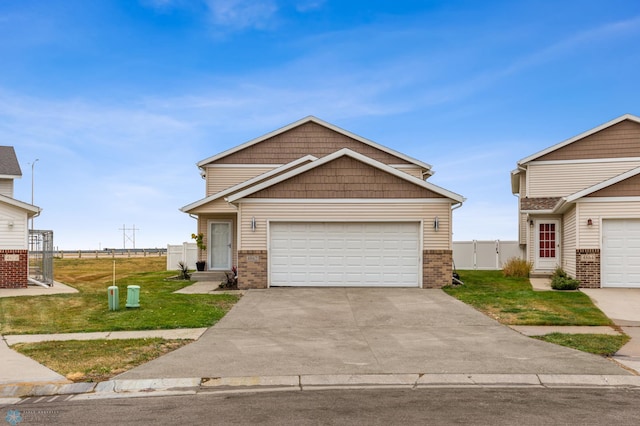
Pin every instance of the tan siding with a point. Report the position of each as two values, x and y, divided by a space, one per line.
559 180
6 187
522 223
308 138
345 177
216 206
522 228
13 237
618 141
220 178
433 240
626 188
590 235
569 242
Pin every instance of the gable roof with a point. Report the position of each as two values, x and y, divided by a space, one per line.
312 119
355 155
31 209
9 166
579 137
242 185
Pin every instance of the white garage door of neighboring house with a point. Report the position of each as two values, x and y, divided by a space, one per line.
620 255
345 254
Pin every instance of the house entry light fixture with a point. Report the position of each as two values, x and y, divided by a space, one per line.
436 223
253 224
589 222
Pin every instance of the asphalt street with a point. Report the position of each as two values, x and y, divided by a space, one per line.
444 406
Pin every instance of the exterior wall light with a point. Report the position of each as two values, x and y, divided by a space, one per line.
436 223
253 224
589 222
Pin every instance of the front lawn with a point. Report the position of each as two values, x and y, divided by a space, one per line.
88 310
512 301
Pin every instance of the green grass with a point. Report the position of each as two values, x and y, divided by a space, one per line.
512 301
88 310
97 360
599 344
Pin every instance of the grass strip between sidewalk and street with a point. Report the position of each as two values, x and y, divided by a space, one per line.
599 344
96 360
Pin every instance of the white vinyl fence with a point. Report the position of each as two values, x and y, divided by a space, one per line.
185 252
488 255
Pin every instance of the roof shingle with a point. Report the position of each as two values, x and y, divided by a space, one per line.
9 165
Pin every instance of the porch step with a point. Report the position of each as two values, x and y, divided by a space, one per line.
540 274
215 276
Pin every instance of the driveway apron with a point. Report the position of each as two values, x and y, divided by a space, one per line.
301 331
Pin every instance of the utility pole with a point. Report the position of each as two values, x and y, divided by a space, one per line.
33 164
126 237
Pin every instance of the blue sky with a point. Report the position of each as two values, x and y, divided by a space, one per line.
119 99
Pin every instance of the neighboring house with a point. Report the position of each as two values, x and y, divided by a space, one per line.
579 205
311 204
14 230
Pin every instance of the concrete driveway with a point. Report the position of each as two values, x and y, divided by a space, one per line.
622 305
301 331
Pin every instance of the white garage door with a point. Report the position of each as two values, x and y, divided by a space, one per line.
323 254
621 253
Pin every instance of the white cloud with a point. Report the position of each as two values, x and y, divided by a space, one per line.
242 14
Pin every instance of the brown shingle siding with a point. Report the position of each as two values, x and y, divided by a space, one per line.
345 177
618 141
308 138
627 188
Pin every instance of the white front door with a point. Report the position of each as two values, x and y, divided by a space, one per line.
547 245
220 245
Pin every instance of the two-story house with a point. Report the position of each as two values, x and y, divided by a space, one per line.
311 204
14 230
579 205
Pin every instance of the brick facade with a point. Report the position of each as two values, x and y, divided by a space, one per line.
437 268
588 267
14 268
252 269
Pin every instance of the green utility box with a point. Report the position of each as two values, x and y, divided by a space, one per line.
133 296
114 296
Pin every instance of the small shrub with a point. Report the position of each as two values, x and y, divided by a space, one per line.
517 268
560 280
184 271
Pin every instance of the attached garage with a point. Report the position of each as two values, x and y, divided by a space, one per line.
620 253
345 254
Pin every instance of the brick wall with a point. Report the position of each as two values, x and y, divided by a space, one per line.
437 268
252 269
13 268
588 267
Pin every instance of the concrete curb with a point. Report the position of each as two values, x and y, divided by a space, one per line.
9 394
